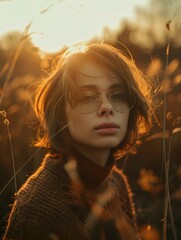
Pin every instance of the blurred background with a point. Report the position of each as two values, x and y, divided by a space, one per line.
32 35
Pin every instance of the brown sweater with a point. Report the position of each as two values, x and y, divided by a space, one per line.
73 199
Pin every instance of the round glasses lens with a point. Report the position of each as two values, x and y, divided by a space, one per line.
87 101
119 102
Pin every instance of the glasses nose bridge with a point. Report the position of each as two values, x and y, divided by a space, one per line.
104 96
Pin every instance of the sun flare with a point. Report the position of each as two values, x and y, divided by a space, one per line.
54 24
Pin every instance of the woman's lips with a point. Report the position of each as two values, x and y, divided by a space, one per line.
107 128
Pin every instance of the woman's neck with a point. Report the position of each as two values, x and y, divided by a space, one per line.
99 156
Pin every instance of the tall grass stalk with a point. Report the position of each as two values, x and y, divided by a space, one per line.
12 64
28 160
9 68
167 154
6 122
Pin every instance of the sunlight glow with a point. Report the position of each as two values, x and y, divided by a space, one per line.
56 23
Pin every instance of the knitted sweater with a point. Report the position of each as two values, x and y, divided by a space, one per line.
72 198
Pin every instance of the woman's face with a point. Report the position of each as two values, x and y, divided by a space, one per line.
101 128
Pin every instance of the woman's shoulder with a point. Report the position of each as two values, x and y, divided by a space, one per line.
48 180
120 177
125 193
122 183
47 188
45 198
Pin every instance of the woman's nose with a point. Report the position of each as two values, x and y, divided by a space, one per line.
105 107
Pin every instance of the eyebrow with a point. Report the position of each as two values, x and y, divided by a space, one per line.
94 76
90 76
94 87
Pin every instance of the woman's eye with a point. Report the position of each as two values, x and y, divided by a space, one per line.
88 97
117 96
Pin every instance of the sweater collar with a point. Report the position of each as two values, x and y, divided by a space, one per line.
90 173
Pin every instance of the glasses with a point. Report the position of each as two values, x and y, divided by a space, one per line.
87 101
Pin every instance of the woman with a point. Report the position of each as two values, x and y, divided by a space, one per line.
93 109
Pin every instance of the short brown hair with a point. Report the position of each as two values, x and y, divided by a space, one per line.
53 93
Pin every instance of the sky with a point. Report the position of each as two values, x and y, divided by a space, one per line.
56 23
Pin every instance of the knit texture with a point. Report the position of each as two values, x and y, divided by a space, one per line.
72 198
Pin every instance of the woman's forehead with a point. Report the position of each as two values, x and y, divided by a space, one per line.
92 72
92 68
101 83
94 75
